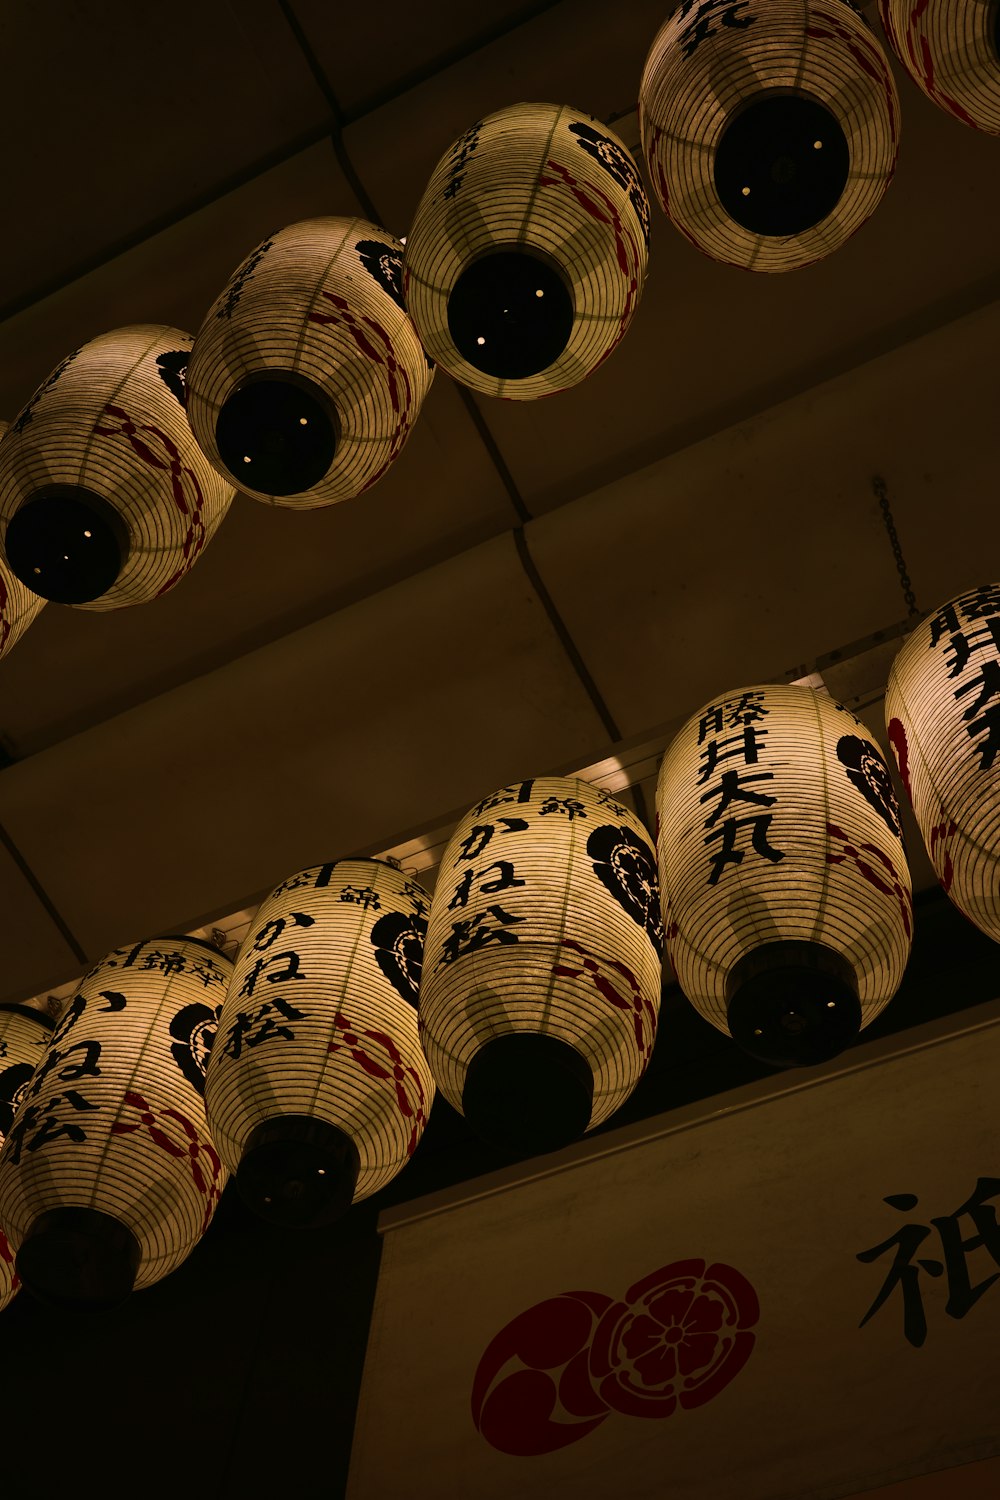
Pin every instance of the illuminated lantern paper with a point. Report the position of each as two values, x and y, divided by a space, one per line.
108 1176
24 1035
318 1092
951 50
541 985
786 889
18 605
106 499
942 707
770 127
527 255
307 374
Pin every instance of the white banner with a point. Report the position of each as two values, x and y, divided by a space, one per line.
790 1291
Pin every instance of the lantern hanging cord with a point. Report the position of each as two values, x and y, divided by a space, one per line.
881 492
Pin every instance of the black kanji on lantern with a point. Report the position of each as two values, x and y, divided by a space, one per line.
280 973
869 773
398 940
385 264
520 792
734 788
480 834
503 880
702 19
970 628
265 1023
469 934
37 1124
623 865
956 1247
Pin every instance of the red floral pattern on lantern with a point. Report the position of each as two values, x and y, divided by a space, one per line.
532 1391
940 851
184 484
405 1080
206 1167
553 1373
897 739
7 1258
680 1336
875 867
376 345
606 976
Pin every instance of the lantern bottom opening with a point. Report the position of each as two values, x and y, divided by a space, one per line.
277 433
782 164
510 313
528 1092
79 1258
297 1170
793 1003
67 544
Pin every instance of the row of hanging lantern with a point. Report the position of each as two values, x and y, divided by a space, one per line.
527 990
770 129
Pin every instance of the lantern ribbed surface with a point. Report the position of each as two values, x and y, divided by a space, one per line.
545 921
320 1022
778 825
106 499
307 374
112 1127
951 50
770 127
18 605
942 707
527 254
24 1035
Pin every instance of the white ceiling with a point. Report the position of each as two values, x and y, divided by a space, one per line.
534 587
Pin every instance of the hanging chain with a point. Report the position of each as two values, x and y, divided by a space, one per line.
881 492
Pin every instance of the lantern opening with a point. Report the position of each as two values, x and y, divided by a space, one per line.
277 433
510 313
78 1258
782 164
528 1092
67 544
793 1003
298 1170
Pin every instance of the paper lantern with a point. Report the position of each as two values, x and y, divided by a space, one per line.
770 127
307 374
108 1177
18 605
318 1092
541 985
786 890
24 1035
942 708
105 498
951 50
526 259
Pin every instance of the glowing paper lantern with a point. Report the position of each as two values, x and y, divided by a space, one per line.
527 255
951 49
785 887
108 1177
105 498
942 707
770 127
18 605
318 1092
307 374
541 985
24 1035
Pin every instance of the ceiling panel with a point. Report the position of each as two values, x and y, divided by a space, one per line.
339 737
35 953
172 101
365 59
